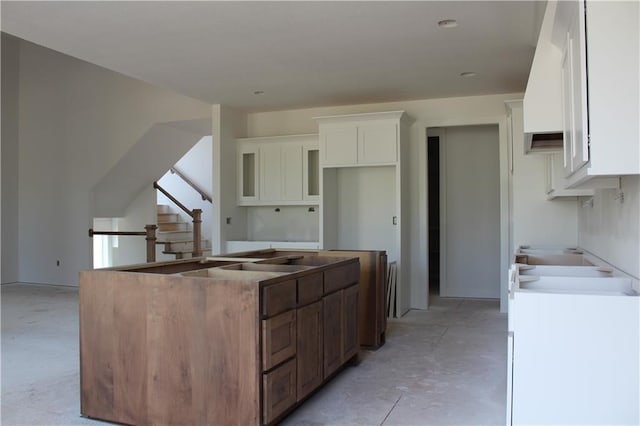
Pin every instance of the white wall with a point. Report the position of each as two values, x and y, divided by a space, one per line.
76 121
141 212
290 223
427 113
536 220
228 125
9 155
610 229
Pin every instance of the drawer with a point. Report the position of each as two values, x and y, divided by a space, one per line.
279 391
310 288
341 277
278 339
277 298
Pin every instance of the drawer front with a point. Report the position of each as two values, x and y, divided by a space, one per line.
279 391
278 298
341 277
278 339
310 288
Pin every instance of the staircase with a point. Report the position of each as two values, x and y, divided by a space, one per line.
176 235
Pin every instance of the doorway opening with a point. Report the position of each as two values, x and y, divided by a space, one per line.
433 193
464 234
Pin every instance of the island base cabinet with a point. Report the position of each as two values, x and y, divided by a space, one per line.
340 328
310 347
350 342
279 390
332 332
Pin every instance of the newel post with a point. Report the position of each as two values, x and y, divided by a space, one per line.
197 232
151 242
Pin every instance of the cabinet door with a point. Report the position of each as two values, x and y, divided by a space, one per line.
350 343
248 173
332 323
270 173
309 354
311 173
340 146
377 144
279 391
291 172
567 107
278 339
580 153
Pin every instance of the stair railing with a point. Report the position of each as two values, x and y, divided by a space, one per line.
196 216
203 194
149 233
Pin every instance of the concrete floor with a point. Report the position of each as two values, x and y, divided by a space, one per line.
445 366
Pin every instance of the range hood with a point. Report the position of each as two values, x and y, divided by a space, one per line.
542 103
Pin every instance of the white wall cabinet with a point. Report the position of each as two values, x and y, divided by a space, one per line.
280 170
363 168
556 182
600 65
359 140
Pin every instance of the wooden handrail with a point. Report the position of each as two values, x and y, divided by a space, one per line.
203 194
149 232
172 198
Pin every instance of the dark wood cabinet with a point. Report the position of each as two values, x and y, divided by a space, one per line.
208 342
310 348
332 306
350 340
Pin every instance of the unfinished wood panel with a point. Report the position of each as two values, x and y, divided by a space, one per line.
97 349
341 277
310 288
310 349
278 339
139 365
279 391
278 298
350 343
332 329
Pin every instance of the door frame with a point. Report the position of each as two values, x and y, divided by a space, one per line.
503 150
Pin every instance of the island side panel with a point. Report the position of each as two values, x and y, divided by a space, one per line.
169 349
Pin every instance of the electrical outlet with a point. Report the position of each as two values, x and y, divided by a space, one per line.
57 263
228 221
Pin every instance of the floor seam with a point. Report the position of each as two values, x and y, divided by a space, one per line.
389 413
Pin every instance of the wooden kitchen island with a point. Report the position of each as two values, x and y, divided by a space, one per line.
214 340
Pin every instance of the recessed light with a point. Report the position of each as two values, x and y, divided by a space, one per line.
448 23
468 74
258 92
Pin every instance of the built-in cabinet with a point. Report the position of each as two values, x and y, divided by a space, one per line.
598 69
351 141
556 181
365 154
282 170
584 89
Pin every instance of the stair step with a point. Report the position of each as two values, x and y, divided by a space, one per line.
184 254
168 217
164 208
183 245
173 226
174 236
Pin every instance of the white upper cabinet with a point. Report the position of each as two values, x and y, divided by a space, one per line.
584 85
278 170
360 139
600 71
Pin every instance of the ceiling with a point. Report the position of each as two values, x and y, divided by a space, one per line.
300 54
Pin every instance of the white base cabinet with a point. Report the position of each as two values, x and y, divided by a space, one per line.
573 349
